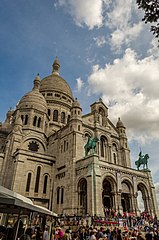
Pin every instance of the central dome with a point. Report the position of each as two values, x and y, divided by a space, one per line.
55 83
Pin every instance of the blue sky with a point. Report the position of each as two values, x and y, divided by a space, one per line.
104 49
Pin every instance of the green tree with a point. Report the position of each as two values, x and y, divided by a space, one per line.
151 8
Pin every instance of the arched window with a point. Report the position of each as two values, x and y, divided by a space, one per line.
58 195
26 120
37 179
49 112
22 117
68 118
102 146
62 195
114 149
34 121
62 117
45 184
28 182
39 121
55 116
114 157
64 145
79 128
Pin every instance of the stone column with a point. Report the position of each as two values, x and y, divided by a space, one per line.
115 206
119 205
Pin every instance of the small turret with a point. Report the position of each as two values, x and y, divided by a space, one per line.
76 115
76 110
120 128
124 149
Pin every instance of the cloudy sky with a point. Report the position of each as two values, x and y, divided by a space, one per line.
104 49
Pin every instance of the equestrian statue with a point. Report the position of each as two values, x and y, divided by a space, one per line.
143 160
91 144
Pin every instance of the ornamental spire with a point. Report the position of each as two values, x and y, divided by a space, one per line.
56 67
37 82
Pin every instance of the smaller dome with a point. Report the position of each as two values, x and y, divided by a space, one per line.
120 124
76 103
34 99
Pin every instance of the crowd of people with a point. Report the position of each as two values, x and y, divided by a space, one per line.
111 227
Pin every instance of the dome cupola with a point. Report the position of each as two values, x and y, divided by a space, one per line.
34 99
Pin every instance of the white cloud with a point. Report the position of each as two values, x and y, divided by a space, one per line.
125 35
84 12
120 17
123 23
129 87
100 41
80 84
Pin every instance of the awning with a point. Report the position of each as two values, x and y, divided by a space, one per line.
12 202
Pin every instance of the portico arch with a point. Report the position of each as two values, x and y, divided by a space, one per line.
126 200
144 195
108 193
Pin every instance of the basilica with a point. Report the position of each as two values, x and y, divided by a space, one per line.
47 156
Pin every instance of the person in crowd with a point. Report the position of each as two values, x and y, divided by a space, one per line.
66 235
60 233
93 234
149 234
100 233
46 234
119 235
82 234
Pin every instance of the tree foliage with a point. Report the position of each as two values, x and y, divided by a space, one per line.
151 8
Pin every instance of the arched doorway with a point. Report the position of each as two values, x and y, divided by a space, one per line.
143 198
82 196
107 195
126 197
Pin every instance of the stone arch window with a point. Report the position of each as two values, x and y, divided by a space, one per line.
22 117
114 158
114 150
58 195
35 120
39 122
101 116
103 146
79 128
26 120
49 112
37 179
62 195
68 118
64 145
45 184
62 117
82 195
55 115
28 182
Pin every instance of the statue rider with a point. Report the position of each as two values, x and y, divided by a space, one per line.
140 155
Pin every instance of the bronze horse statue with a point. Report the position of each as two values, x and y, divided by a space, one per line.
91 144
143 160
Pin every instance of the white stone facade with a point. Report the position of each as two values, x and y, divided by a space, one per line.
42 154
